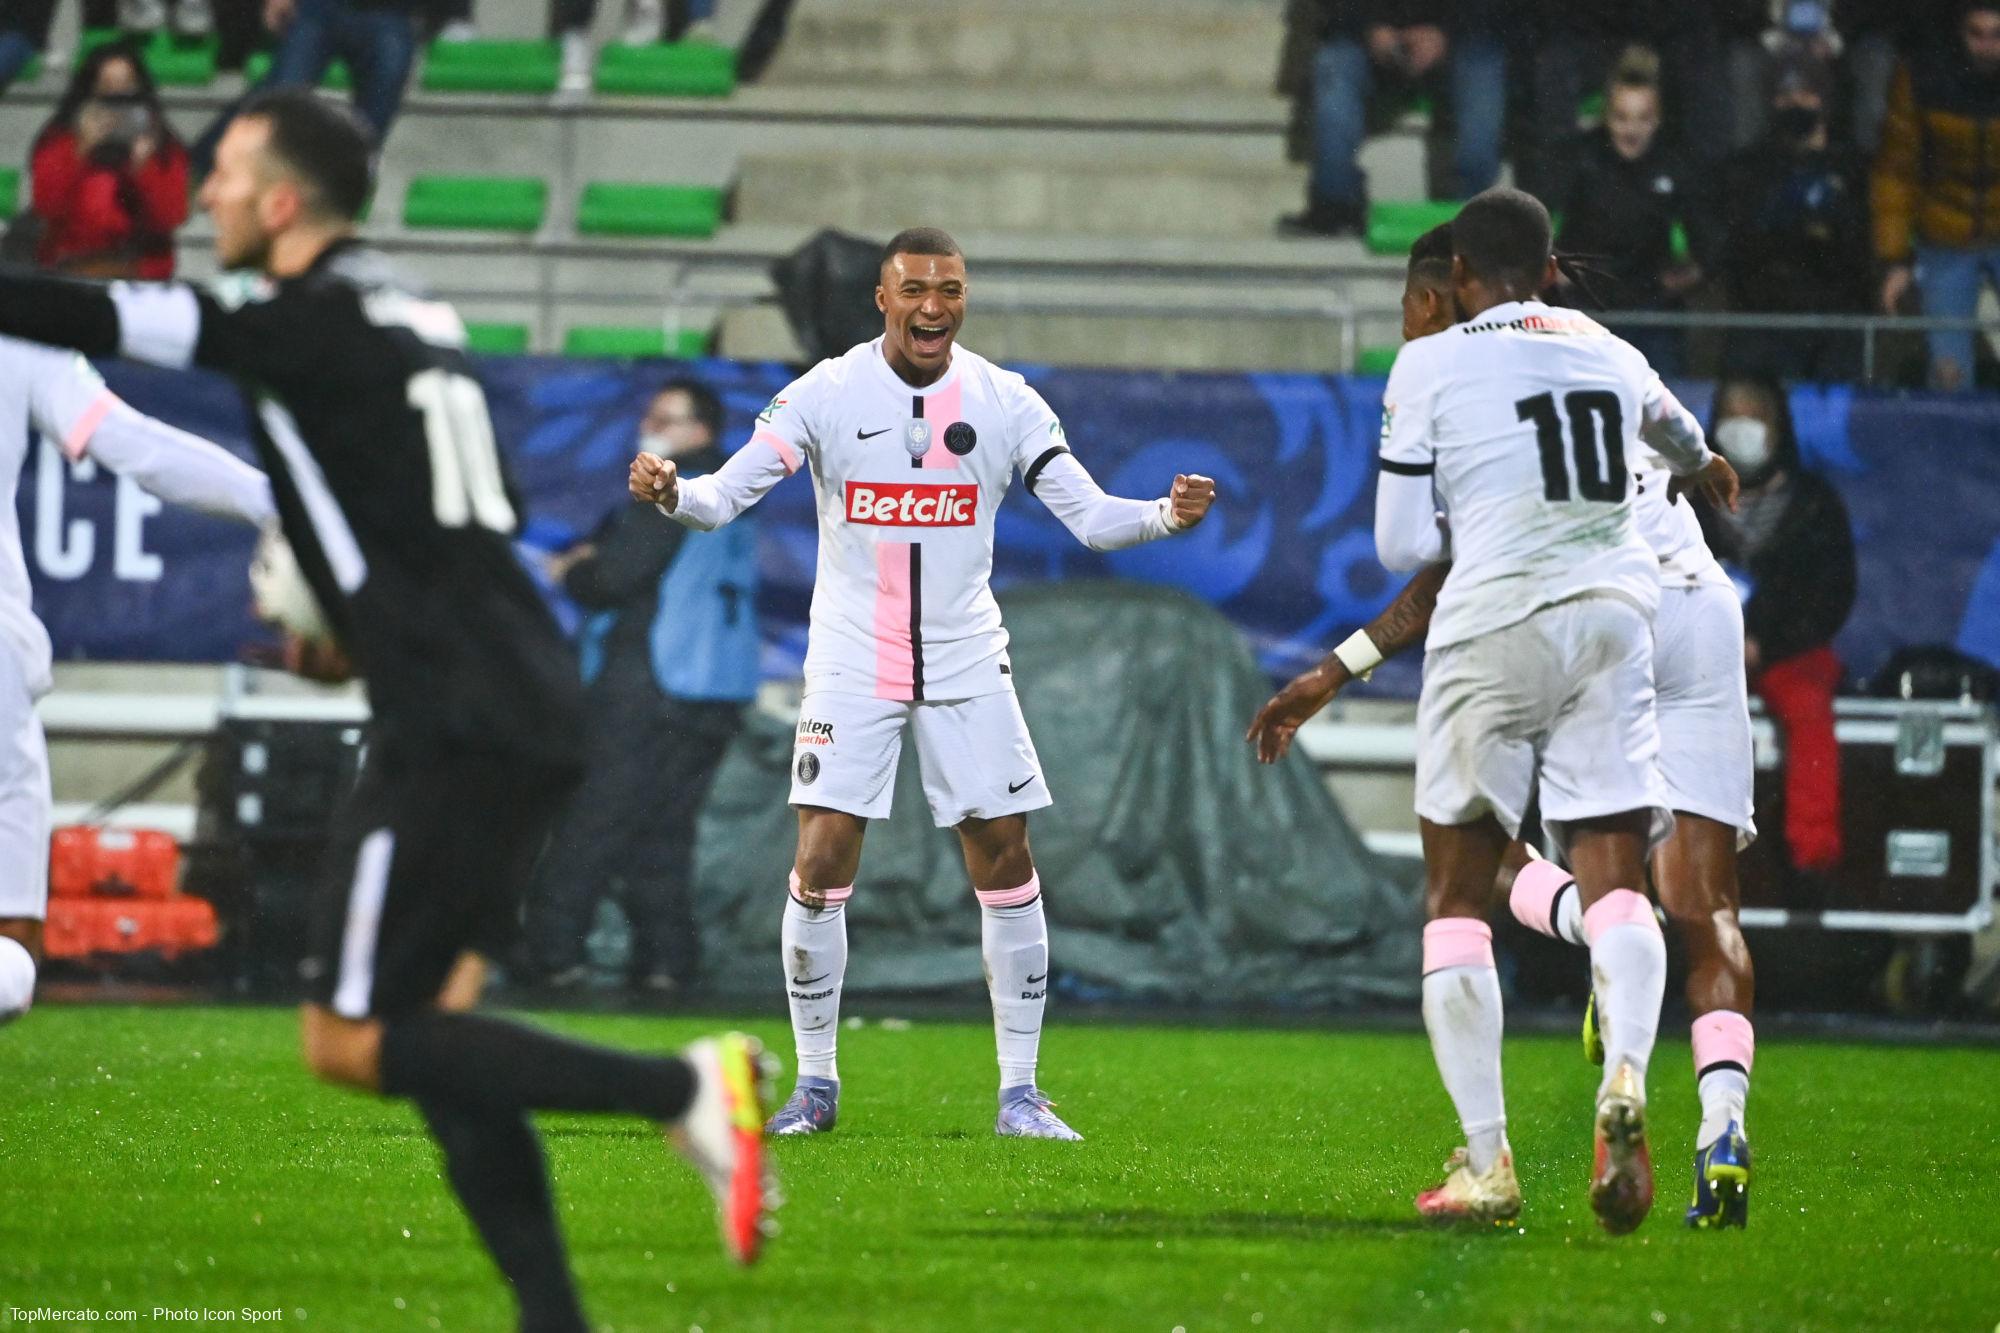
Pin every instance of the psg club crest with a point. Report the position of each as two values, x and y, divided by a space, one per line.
808 768
917 439
959 437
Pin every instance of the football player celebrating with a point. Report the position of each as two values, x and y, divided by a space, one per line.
912 441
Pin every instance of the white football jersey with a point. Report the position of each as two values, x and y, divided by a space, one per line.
1527 418
1669 525
59 395
908 481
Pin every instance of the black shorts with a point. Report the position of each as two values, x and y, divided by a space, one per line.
429 859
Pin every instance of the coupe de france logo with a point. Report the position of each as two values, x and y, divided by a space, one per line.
917 438
1388 420
770 411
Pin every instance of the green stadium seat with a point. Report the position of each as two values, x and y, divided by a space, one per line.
484 203
492 67
609 208
10 192
496 339
622 340
336 78
1395 224
682 69
1375 360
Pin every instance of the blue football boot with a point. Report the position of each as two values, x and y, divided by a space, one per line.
1722 1182
812 1108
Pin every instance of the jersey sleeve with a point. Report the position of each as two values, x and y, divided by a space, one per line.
67 398
1037 432
1065 487
784 438
1407 448
1669 430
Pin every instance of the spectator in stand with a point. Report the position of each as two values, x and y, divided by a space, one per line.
1872 34
24 32
1628 189
109 181
1936 187
649 21
1341 48
670 657
1790 550
1575 43
377 39
1794 211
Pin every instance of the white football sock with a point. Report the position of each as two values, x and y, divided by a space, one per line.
1014 943
1724 1045
17 979
815 957
1462 1015
1628 971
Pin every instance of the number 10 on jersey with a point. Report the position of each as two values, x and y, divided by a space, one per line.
466 483
1596 442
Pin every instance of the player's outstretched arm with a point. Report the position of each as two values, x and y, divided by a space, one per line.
1402 624
1108 522
706 503
180 468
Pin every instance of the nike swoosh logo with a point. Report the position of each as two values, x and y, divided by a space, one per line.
1033 980
871 434
1014 787
807 981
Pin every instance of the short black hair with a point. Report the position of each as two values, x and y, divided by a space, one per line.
1505 238
920 241
707 406
1430 257
327 146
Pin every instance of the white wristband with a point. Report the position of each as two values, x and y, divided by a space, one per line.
1359 655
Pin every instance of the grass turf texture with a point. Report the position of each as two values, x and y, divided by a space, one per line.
1233 1179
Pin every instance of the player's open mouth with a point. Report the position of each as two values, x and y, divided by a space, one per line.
929 339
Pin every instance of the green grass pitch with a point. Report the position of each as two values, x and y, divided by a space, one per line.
179 1158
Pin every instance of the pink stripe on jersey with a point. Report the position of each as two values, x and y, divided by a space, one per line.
783 447
895 654
1723 1035
86 425
1027 893
1457 941
942 409
1620 907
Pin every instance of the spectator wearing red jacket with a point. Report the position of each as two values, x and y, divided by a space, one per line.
110 179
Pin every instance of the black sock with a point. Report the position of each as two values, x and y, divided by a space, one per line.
486 1062
494 1162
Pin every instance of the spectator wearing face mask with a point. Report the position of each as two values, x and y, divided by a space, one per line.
1790 549
670 658
1794 210
1629 186
109 179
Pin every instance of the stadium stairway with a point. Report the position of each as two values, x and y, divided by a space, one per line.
1115 174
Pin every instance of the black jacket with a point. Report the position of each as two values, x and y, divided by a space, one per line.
1804 576
1621 215
1795 229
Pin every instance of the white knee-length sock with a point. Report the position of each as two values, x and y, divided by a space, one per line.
815 957
1462 1015
1014 944
1628 971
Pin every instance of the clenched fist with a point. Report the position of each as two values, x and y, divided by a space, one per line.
1189 499
655 480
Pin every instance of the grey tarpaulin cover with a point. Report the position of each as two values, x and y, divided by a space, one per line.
1176 868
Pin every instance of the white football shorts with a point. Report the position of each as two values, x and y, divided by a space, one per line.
1571 685
1704 705
975 755
24 798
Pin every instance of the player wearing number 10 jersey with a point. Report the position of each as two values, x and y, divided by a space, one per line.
392 493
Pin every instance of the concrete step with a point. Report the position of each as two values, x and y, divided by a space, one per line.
944 46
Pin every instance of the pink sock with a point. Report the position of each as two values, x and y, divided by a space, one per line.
1723 1046
1544 898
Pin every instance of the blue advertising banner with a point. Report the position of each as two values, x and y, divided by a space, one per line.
1288 554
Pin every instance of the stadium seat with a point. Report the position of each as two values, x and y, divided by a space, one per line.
610 208
496 339
492 67
623 340
258 65
10 191
1395 224
174 63
1375 360
485 203
682 69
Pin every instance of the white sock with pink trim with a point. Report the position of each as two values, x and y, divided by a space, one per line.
1545 898
1014 942
815 956
1628 970
1462 1014
1723 1046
